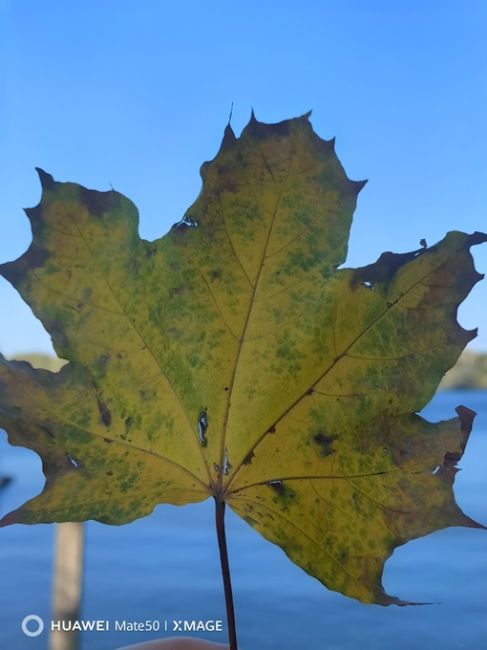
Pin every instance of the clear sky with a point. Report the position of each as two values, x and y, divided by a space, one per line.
136 93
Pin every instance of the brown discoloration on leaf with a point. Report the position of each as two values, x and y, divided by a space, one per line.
384 268
313 374
99 203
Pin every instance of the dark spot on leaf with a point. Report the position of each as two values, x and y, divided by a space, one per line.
248 458
128 424
310 392
271 430
109 440
325 443
105 415
285 495
250 520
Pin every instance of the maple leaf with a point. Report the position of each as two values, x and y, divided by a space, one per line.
233 358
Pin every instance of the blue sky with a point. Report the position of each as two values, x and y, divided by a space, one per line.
137 93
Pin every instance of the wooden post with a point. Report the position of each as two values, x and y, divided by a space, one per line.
68 583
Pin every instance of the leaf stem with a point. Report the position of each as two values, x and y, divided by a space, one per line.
227 583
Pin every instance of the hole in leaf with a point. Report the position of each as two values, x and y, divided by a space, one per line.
226 465
278 486
72 461
202 427
186 222
368 284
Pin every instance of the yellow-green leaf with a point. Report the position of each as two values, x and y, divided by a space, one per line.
233 358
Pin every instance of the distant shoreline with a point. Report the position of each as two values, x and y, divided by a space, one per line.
470 371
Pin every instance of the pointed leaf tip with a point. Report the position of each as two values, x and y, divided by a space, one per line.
228 137
358 185
47 181
466 416
8 520
467 522
478 238
32 213
470 335
329 145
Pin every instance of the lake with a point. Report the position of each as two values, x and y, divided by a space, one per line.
166 567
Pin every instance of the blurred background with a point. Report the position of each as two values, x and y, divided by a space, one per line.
136 95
